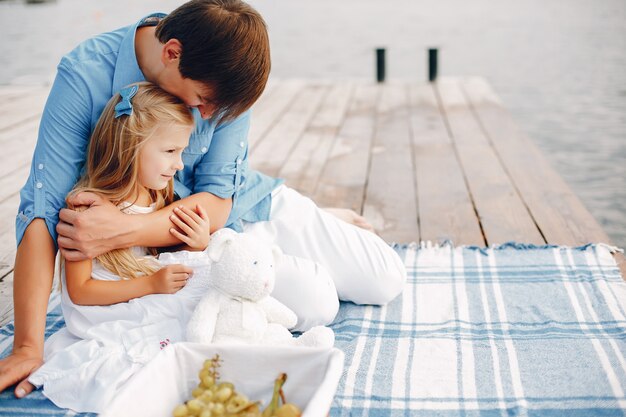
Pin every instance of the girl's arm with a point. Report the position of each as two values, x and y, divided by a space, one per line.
84 290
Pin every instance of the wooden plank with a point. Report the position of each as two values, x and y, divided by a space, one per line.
18 132
22 109
6 299
17 150
559 214
9 101
269 88
17 147
267 113
264 100
271 153
304 166
9 92
343 178
503 214
8 211
18 144
390 196
7 251
11 183
444 205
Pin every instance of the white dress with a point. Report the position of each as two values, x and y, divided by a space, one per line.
101 347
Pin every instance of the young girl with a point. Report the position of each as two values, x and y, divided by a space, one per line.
116 315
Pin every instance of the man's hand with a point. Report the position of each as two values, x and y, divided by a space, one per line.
170 279
194 227
89 233
16 368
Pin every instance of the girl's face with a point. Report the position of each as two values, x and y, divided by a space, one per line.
160 155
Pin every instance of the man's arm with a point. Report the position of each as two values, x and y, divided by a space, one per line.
103 227
32 282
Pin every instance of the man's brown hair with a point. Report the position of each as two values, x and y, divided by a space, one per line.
225 46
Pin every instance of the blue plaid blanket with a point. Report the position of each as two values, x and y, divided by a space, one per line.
511 330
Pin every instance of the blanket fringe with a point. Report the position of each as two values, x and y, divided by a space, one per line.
427 244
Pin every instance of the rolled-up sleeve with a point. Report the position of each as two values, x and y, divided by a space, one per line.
60 151
223 167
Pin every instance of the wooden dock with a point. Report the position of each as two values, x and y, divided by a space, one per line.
431 161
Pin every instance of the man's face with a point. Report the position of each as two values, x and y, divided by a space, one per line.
193 93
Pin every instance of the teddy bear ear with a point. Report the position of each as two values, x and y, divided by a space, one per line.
219 241
278 255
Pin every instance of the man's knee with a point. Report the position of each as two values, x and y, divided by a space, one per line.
391 284
381 285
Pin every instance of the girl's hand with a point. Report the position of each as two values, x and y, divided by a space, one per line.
170 278
194 227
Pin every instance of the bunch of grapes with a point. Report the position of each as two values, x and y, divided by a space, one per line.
213 399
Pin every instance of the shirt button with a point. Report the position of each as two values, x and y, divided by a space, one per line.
39 185
241 144
40 166
239 161
204 149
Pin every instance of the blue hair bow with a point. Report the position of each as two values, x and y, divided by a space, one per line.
125 106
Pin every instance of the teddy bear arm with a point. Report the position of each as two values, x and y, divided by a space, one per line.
277 312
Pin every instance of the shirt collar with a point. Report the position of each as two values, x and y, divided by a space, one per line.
127 69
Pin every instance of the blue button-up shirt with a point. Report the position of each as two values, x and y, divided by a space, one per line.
216 160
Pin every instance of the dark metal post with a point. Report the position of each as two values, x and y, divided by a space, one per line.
432 64
380 65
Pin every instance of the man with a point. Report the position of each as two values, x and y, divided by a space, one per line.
212 54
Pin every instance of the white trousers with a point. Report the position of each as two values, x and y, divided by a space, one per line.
326 260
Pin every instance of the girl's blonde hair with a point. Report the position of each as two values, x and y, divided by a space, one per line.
112 166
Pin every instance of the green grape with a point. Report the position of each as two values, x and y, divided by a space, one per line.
223 394
236 403
226 385
195 406
250 413
206 396
218 410
205 413
208 381
288 410
180 411
203 373
197 392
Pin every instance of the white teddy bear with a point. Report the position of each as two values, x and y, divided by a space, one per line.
237 307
